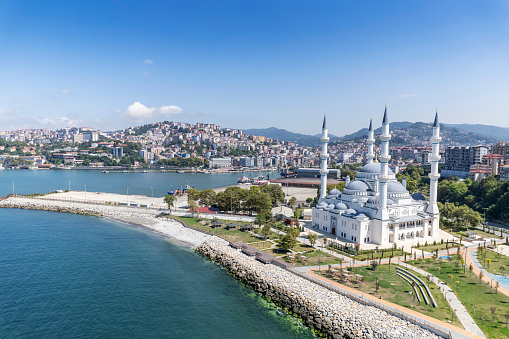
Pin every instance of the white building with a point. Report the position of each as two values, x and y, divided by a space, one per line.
375 207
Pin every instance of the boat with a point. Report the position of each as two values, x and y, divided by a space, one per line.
163 171
179 171
105 171
243 180
125 171
144 171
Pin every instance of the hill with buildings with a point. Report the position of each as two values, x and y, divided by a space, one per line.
496 132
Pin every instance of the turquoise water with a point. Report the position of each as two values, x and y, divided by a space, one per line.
44 181
64 275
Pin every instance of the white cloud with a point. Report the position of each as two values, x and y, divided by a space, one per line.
404 96
171 109
59 122
68 91
139 111
148 61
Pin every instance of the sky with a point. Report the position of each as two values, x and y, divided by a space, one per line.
252 64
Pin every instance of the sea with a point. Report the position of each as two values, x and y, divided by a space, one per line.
75 276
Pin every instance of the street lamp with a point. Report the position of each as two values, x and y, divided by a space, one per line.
484 224
69 186
127 188
85 193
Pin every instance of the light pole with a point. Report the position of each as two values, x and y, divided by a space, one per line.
484 224
152 189
85 193
13 187
69 186
127 188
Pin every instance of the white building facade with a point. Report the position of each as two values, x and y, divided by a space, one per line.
376 208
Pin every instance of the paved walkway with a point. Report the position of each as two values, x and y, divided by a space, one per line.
460 310
454 331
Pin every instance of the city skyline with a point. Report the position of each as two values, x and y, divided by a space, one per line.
251 65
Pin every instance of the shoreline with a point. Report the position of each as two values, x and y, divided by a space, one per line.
333 314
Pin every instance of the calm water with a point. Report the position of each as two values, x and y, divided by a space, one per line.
64 275
44 181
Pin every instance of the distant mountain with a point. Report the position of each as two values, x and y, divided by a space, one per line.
404 133
497 132
418 134
284 135
364 131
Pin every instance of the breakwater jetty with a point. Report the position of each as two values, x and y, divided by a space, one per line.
332 314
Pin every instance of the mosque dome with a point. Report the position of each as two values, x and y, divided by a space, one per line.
395 187
334 191
321 204
357 185
361 216
350 211
341 206
373 168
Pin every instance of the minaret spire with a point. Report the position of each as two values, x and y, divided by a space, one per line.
434 175
324 126
383 213
324 157
370 141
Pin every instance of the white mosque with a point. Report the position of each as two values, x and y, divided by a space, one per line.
376 208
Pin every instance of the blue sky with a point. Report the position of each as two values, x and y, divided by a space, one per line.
252 64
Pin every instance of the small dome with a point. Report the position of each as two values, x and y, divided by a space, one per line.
373 168
395 187
350 211
372 200
334 191
418 196
321 204
357 185
331 206
361 216
341 206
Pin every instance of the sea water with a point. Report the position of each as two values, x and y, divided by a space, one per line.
65 275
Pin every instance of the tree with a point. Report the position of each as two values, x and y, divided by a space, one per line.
258 202
193 194
292 201
266 230
457 284
275 192
481 275
493 309
260 219
450 278
506 316
170 200
325 241
287 242
193 207
471 268
312 237
207 197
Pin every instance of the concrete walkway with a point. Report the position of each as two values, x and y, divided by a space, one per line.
460 310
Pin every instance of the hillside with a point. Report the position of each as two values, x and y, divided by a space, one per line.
497 132
404 133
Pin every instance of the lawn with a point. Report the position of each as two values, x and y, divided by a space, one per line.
370 254
441 247
314 258
498 263
472 293
231 235
262 244
396 290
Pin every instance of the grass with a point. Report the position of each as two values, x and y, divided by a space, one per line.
472 292
385 253
441 247
314 258
262 244
498 261
231 235
396 290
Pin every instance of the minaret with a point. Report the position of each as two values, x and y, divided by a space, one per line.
433 176
370 141
382 212
323 159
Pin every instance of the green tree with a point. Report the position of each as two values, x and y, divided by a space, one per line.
287 242
266 230
292 201
170 200
207 197
275 192
312 237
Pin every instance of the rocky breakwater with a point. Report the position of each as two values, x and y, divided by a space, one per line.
330 313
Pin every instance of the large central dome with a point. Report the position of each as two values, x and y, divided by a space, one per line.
373 168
